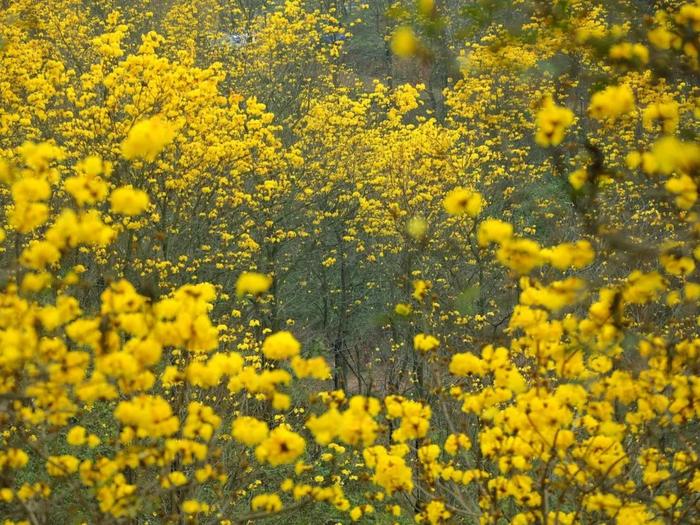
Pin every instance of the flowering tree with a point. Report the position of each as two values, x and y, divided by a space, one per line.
242 280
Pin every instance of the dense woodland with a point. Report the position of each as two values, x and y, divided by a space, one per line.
318 262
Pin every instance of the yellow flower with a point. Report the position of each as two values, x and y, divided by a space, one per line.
467 364
417 227
40 254
425 342
174 479
404 42
578 178
191 506
426 7
315 367
93 166
147 139
552 121
611 103
672 155
325 427
129 201
642 288
14 458
554 297
461 200
666 501
282 446
356 513
35 282
570 255
390 471
31 189
493 230
456 441
76 436
252 283
266 503
665 113
662 38
691 291
151 416
86 189
629 51
64 465
685 189
436 513
598 501
39 156
281 345
675 264
27 216
420 289
520 255
403 309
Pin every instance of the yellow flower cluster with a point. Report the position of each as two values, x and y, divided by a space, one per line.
552 121
252 283
147 139
462 201
240 282
611 103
